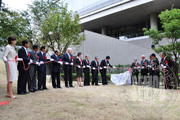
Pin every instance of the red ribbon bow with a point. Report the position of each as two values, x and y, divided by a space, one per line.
98 64
16 57
145 63
46 57
81 60
28 55
166 61
71 57
89 63
38 57
59 59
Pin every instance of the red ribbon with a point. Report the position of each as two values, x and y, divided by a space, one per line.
16 57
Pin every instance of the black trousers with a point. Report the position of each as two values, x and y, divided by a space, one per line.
56 79
144 72
41 79
103 76
95 77
86 77
68 75
22 81
32 80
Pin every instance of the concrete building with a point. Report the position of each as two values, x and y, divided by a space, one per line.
114 27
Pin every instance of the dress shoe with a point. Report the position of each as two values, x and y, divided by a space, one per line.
66 86
97 85
71 86
40 89
35 89
59 87
31 90
45 88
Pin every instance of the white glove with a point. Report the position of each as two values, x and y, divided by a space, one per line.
83 66
71 64
60 62
152 68
79 66
37 63
149 66
19 59
66 63
135 67
105 67
164 67
138 67
51 59
30 62
41 62
114 67
94 68
142 67
100 68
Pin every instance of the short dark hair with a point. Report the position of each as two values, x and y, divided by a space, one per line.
79 53
108 57
163 53
43 47
10 39
56 51
25 42
35 46
153 55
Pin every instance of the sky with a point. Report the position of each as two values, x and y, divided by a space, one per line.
18 4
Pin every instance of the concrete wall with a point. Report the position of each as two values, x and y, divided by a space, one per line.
121 52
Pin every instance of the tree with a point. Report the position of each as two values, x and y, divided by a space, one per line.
14 23
170 20
57 27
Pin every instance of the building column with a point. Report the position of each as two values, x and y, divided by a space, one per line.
104 30
147 24
154 21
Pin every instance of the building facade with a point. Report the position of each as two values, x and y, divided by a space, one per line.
122 20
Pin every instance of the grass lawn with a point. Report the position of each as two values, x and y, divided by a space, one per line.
91 103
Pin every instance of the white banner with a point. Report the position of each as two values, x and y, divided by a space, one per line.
121 79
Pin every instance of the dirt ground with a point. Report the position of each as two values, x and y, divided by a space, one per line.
91 103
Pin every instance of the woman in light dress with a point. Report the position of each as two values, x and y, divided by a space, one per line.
11 70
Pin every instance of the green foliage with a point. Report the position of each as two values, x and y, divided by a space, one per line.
14 23
58 27
170 20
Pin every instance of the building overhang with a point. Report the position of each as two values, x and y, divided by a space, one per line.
127 13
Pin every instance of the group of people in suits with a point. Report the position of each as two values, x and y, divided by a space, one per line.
32 66
86 67
152 66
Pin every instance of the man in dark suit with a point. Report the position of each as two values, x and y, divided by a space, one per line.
135 71
33 68
167 62
42 69
104 64
155 65
144 69
23 74
55 70
149 65
67 59
86 71
155 71
94 71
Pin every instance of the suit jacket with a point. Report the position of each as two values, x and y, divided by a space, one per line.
33 56
85 63
135 71
22 54
77 62
105 63
155 64
94 65
42 67
163 61
55 67
144 63
65 58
